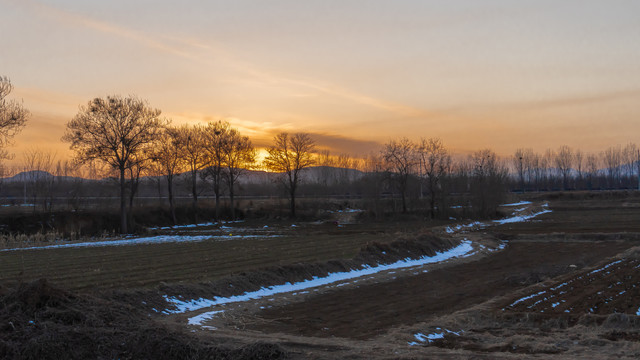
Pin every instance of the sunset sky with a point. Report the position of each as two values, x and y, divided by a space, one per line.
497 73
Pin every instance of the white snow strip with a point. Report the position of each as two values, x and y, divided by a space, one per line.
176 227
606 266
561 285
145 240
422 338
451 230
463 250
198 320
520 218
527 297
518 203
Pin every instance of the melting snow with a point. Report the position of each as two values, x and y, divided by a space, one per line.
527 297
462 250
198 320
518 203
176 227
604 267
520 218
422 338
144 240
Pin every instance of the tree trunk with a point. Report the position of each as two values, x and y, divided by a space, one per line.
217 192
404 202
194 193
292 194
172 208
123 202
233 208
432 202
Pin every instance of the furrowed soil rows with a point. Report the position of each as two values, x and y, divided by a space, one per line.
611 288
148 265
370 310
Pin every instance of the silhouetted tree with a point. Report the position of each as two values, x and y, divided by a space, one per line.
290 155
488 182
113 130
435 161
563 160
13 116
167 154
194 156
215 138
401 159
239 154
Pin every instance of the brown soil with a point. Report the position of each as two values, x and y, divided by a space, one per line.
38 321
409 300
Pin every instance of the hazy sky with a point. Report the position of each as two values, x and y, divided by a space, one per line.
496 73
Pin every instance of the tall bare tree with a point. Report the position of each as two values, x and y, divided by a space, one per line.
401 159
593 168
239 154
195 157
435 161
215 136
289 155
113 130
563 160
167 154
13 116
488 181
612 158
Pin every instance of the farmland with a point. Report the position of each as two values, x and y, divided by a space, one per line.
559 279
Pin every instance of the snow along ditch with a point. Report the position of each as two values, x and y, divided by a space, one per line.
144 240
464 249
514 218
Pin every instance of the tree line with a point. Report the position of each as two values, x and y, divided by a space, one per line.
127 136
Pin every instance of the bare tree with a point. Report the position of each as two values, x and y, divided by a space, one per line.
167 154
488 181
214 141
239 154
195 157
563 160
519 163
578 158
629 155
290 155
113 130
37 169
436 164
13 116
593 168
612 158
401 159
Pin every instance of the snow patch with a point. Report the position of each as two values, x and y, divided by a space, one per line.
429 338
463 250
144 240
520 218
199 319
518 203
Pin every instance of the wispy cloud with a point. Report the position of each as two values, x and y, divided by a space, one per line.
583 99
204 53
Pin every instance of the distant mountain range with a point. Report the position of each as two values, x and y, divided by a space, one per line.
324 174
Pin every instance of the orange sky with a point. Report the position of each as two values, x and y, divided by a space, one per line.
497 73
